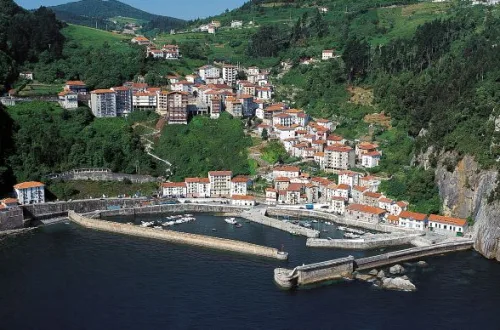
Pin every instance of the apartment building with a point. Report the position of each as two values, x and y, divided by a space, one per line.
220 183
338 157
30 192
103 103
124 102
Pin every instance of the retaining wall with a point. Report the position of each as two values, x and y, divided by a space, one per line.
325 271
373 242
179 238
412 253
276 211
173 208
254 216
11 218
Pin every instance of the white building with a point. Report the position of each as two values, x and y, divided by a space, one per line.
398 207
286 172
124 103
447 225
174 189
412 220
103 103
220 183
243 200
209 72
229 74
68 100
338 205
30 192
236 24
338 157
327 54
239 185
349 178
370 159
271 196
144 100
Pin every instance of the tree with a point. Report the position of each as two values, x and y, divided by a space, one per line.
356 57
265 134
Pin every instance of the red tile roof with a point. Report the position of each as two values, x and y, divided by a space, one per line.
30 184
447 220
366 209
343 187
220 173
287 169
241 179
372 194
413 215
243 197
173 185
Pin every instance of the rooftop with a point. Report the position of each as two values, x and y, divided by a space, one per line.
30 184
366 209
447 220
413 215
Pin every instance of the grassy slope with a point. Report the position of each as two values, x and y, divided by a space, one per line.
87 36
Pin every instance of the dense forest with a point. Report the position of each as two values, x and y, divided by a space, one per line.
47 139
26 36
205 145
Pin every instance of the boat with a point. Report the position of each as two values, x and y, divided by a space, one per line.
355 231
157 227
325 231
351 235
315 221
177 222
213 229
147 224
238 225
341 228
307 225
230 221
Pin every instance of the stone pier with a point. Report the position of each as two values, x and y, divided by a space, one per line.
366 242
179 237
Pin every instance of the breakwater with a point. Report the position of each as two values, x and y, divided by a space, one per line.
343 267
364 243
179 238
298 213
257 214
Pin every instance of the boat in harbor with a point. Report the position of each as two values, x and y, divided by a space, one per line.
341 228
351 235
230 221
238 225
147 224
355 231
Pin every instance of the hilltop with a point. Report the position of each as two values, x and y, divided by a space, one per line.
107 12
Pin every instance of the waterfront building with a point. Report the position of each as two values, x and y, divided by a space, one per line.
447 225
293 193
360 212
220 183
412 220
338 205
30 192
103 103
393 219
239 185
243 200
399 207
271 196
68 100
174 189
385 203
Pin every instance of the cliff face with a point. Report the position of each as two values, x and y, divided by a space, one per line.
465 192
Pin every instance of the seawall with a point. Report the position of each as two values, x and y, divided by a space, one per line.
364 243
258 215
179 238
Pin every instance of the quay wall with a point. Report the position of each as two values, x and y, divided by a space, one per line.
176 208
325 271
254 216
363 243
277 211
179 238
412 253
11 218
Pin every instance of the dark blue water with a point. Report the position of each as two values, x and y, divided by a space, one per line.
68 277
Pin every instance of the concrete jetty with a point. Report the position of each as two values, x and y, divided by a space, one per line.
258 215
179 238
366 242
343 267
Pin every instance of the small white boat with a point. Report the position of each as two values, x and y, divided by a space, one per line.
315 221
231 221
147 224
178 222
351 235
341 228
157 227
307 225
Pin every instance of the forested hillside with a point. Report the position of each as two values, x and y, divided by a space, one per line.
26 36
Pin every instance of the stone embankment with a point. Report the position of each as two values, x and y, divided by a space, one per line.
257 214
364 243
344 267
179 238
298 213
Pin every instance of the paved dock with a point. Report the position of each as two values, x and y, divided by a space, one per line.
258 214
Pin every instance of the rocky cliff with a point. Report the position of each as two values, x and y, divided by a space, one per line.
465 192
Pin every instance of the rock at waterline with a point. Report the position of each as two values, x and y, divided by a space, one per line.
398 283
422 263
363 277
404 277
381 274
396 269
373 272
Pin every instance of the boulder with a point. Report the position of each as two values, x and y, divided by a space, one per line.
396 269
404 277
381 274
373 272
398 284
422 263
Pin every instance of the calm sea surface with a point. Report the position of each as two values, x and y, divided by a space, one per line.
68 277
